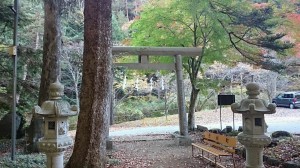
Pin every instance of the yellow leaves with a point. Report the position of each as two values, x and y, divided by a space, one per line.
3 47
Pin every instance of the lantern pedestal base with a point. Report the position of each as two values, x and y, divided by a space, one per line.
254 157
55 160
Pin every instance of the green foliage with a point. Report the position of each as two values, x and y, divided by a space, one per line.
254 30
30 35
117 34
29 67
205 103
214 26
208 88
205 83
113 162
119 73
128 113
73 26
193 23
128 8
29 60
135 108
186 23
7 19
73 122
71 70
120 17
233 133
24 161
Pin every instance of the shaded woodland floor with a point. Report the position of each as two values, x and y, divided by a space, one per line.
156 151
160 151
150 151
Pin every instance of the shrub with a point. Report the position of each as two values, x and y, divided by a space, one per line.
73 122
135 108
128 114
24 161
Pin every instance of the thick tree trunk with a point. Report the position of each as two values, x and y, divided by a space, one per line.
51 63
95 97
192 107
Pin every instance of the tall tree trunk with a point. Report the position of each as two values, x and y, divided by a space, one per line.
37 39
95 97
76 82
192 107
124 82
127 10
135 8
51 47
51 64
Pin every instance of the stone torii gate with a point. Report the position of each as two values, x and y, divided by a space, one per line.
144 53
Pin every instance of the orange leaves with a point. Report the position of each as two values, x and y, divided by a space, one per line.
260 5
294 17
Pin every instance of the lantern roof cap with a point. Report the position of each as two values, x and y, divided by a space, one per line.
56 90
253 104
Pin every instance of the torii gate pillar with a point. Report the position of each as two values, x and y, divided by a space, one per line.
144 63
183 138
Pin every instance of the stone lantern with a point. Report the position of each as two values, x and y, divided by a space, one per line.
254 127
55 112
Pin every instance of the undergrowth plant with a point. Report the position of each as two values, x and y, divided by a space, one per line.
24 161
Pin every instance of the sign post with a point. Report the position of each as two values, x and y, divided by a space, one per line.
225 100
13 53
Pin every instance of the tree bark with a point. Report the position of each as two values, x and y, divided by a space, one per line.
95 97
51 63
127 10
51 47
192 107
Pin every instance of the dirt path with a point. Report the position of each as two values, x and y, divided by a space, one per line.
156 151
160 151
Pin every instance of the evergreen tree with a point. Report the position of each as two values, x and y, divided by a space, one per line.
93 122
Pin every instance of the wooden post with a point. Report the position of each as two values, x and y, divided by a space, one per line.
180 97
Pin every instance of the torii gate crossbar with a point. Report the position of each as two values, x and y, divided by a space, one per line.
143 63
